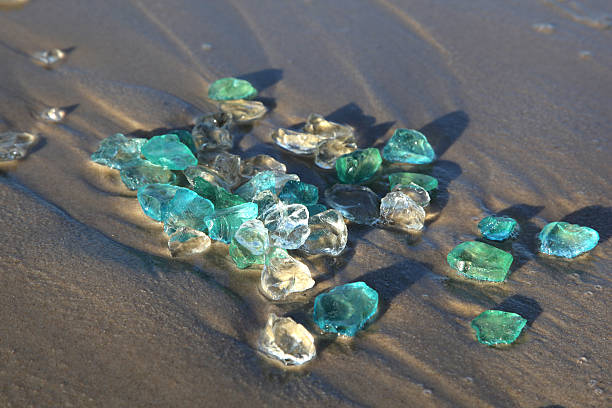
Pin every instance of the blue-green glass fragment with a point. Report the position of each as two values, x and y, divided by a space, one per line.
408 146
187 209
498 228
345 309
223 224
567 240
186 138
297 192
154 198
169 151
117 150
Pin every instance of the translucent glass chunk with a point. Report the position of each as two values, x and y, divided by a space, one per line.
249 244
223 224
117 150
282 275
154 199
318 125
567 240
53 115
244 111
417 193
329 150
345 309
259 163
356 203
225 164
49 58
300 143
266 180
15 145
399 210
287 225
286 341
186 209
211 132
328 234
168 151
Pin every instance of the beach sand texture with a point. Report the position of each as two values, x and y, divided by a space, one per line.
93 310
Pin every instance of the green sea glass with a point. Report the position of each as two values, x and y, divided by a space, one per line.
219 196
480 261
497 327
429 183
358 166
226 89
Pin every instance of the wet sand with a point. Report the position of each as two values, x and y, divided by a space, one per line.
94 312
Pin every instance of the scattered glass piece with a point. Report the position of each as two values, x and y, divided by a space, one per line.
266 180
265 200
329 150
567 240
226 89
223 224
317 125
417 193
117 150
356 203
186 209
399 210
220 197
544 28
211 131
53 115
15 145
168 151
287 341
249 244
259 163
300 143
498 228
497 327
358 166
154 199
138 173
427 182
244 111
328 234
408 146
225 164
49 58
345 309
187 241
282 275
480 261
287 225
297 192
208 174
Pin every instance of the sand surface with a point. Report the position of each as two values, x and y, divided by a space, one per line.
94 312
